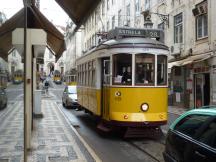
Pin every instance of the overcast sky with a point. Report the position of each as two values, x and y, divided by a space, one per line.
49 8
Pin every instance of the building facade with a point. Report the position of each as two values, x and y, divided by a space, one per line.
74 46
3 64
50 64
189 32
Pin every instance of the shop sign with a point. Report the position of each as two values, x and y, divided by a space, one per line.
201 69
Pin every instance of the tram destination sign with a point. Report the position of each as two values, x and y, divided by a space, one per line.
133 32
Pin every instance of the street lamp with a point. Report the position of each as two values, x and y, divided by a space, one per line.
147 18
148 24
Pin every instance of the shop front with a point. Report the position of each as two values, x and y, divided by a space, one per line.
193 81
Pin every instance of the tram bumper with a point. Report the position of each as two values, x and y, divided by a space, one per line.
138 119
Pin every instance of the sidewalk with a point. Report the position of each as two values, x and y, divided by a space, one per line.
54 139
176 110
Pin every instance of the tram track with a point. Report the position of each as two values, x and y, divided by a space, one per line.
141 146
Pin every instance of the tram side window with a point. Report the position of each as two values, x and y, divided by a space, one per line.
82 76
161 70
122 64
144 69
90 73
106 72
93 74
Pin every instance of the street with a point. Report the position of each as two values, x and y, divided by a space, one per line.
112 147
109 147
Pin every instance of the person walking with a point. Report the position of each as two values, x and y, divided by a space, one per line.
46 86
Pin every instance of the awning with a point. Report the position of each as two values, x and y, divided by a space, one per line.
189 60
36 20
78 10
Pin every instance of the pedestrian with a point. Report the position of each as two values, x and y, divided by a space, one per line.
46 86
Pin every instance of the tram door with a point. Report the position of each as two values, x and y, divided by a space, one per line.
105 87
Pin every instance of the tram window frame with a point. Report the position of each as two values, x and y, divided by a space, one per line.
93 73
83 77
163 80
86 74
78 74
106 72
89 73
122 74
145 72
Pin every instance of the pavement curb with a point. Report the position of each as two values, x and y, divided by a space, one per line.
90 150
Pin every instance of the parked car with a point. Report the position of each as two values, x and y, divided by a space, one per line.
3 98
69 97
192 137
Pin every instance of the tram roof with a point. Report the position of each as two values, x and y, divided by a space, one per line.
133 42
130 42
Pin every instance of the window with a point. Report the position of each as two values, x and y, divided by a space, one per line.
106 79
190 124
177 71
161 70
72 90
161 26
144 69
128 14
137 7
202 26
122 64
178 28
14 53
86 74
119 18
107 4
93 74
107 25
113 22
147 4
89 73
50 55
103 8
209 135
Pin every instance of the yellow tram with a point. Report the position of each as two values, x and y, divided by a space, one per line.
18 77
3 79
124 80
57 78
71 77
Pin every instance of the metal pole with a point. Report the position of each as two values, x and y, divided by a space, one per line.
25 127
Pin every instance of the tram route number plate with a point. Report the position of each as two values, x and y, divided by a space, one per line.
148 33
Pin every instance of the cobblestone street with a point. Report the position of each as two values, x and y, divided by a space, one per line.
53 138
11 133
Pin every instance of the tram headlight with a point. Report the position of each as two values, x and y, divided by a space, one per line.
144 107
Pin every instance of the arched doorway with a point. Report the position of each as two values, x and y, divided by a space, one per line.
50 68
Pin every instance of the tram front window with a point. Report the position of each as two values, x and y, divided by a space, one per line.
122 64
161 70
144 69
